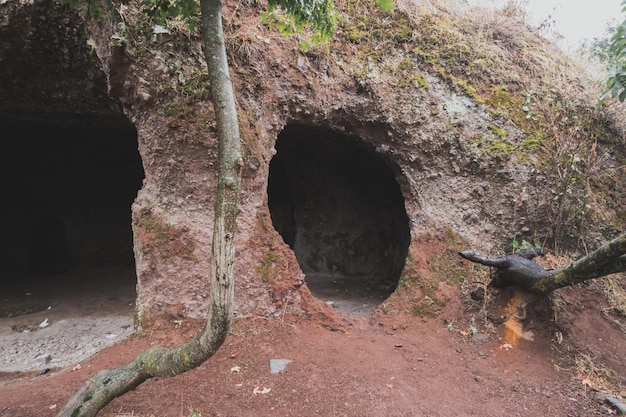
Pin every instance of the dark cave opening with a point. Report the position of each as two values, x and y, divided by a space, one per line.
48 252
69 167
339 207
67 211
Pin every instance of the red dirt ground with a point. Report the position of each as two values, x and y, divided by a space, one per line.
382 365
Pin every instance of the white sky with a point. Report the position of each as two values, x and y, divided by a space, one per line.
575 19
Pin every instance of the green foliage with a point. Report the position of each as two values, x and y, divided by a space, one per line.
598 47
516 245
161 10
287 16
288 24
616 83
385 5
90 7
318 14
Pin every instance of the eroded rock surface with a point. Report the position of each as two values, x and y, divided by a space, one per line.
460 161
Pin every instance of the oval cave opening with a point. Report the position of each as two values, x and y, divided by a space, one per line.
339 207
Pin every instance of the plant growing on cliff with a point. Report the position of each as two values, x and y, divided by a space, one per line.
616 55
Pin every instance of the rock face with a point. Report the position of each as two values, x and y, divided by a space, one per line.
366 146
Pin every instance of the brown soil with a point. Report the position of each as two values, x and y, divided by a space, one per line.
392 364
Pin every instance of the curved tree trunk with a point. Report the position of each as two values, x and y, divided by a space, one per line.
162 362
521 271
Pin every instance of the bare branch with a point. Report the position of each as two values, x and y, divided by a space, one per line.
521 271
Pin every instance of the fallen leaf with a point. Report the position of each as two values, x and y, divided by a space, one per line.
528 335
259 390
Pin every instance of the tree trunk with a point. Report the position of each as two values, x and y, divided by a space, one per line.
520 270
162 362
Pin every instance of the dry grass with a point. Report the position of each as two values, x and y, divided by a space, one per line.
481 51
597 377
615 291
245 46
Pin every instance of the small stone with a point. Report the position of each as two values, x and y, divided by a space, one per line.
278 365
616 404
599 397
480 338
43 359
478 378
496 318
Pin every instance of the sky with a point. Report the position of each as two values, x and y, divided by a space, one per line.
575 19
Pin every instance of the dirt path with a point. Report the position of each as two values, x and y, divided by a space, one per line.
381 365
369 370
393 364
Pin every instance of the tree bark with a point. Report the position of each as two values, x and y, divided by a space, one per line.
521 271
106 385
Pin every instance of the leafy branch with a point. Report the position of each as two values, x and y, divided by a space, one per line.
616 82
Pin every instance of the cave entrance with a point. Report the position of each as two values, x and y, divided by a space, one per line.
66 215
339 207
69 171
